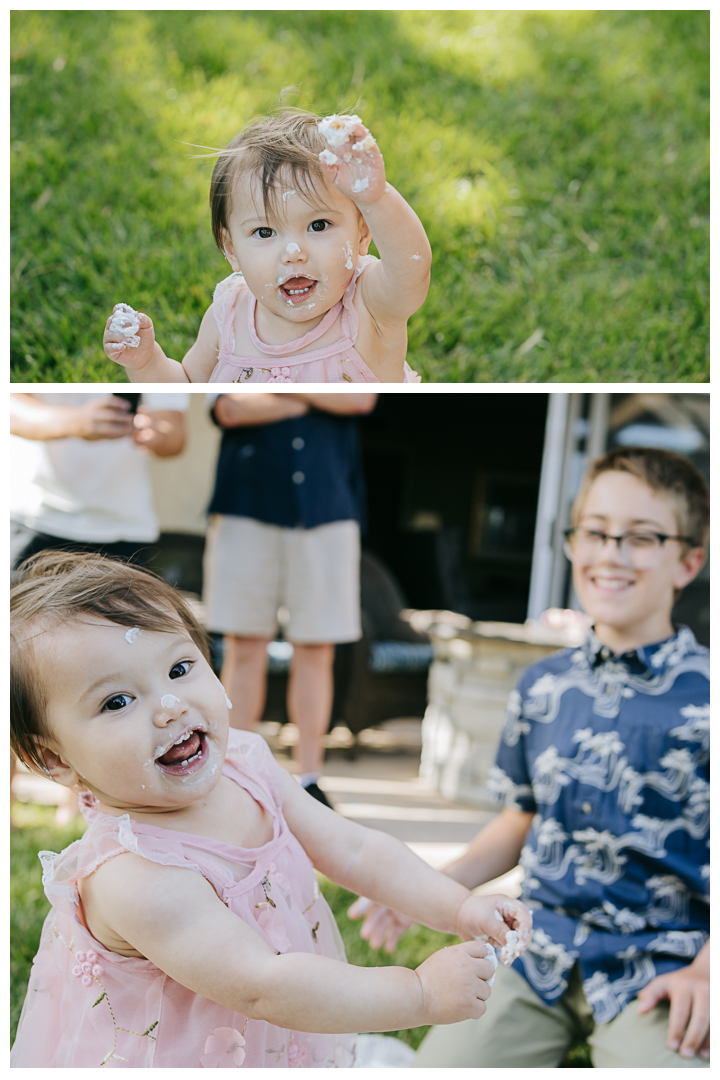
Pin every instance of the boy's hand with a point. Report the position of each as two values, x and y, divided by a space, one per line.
355 165
382 925
454 983
117 349
498 919
688 990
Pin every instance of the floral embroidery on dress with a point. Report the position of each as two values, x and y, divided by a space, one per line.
223 1049
88 970
280 374
296 1056
87 967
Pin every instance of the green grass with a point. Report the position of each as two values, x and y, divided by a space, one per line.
559 161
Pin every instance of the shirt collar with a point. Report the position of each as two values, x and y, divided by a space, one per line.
656 657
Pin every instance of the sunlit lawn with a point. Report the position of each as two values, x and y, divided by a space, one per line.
559 160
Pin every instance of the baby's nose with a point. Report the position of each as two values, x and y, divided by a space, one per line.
170 708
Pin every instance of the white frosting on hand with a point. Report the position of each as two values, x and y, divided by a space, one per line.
126 321
328 157
336 130
512 948
360 185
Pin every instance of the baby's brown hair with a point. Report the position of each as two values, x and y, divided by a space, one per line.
665 473
59 587
287 138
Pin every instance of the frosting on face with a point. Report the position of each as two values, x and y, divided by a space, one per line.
131 634
168 700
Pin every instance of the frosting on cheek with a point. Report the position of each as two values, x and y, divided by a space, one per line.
131 634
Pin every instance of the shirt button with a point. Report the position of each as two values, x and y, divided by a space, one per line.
247 451
587 808
298 477
298 443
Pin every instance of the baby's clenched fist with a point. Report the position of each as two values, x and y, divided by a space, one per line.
454 983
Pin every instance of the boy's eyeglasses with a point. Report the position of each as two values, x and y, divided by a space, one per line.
640 550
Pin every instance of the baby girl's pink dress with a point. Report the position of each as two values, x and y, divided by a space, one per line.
295 361
87 1006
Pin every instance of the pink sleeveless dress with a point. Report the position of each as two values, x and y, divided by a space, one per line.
295 361
88 1007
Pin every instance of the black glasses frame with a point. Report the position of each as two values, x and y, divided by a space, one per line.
662 537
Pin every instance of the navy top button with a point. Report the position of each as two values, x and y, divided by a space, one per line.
298 477
298 443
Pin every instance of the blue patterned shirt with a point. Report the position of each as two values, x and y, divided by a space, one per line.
611 754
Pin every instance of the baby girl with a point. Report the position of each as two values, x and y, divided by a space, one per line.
187 929
295 202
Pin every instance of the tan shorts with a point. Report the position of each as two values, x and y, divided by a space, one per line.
520 1031
252 569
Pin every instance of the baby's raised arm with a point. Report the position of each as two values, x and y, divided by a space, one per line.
174 918
397 286
129 340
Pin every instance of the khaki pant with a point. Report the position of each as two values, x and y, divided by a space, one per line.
520 1031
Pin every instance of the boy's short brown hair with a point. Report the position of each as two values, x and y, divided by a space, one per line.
59 587
288 138
665 473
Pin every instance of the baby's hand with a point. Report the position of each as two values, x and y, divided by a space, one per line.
498 919
129 338
353 162
455 983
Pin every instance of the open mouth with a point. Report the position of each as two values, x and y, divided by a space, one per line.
297 289
185 756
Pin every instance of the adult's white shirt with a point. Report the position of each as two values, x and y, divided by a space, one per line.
92 491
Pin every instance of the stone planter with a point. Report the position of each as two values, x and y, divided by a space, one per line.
475 668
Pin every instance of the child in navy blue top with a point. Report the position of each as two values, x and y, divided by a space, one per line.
603 772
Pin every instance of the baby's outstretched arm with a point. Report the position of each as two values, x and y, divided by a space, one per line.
174 918
397 286
129 340
382 868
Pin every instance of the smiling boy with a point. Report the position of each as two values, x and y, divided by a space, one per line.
603 771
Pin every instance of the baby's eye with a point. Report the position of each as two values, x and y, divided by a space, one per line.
117 701
263 232
319 226
183 668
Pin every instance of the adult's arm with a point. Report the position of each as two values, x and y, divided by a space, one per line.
340 404
103 417
161 431
245 410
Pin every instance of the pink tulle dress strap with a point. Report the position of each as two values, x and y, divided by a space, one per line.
295 361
